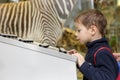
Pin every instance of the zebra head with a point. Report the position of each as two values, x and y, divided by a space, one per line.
53 16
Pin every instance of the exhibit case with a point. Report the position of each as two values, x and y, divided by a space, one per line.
25 61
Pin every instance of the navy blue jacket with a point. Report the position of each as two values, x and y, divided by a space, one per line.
106 67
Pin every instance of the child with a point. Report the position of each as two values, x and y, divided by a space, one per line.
90 30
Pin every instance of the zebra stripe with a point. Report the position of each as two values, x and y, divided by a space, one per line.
14 17
39 20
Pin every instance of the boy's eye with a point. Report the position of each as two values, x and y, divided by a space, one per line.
78 30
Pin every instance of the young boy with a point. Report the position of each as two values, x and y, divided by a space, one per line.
90 30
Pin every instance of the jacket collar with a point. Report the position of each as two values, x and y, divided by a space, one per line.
91 44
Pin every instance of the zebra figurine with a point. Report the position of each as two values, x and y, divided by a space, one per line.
38 20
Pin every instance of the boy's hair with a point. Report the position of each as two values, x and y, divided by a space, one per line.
92 17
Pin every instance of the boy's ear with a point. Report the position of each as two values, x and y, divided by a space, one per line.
93 29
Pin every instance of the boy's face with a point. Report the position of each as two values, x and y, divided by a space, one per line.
82 33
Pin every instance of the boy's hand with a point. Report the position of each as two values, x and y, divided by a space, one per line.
73 51
117 56
80 58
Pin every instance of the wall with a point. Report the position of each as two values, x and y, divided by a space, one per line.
3 1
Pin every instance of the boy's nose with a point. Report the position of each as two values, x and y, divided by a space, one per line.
76 36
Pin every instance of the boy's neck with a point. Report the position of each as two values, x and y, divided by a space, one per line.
96 37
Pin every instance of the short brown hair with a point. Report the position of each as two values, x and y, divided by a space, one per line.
92 17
